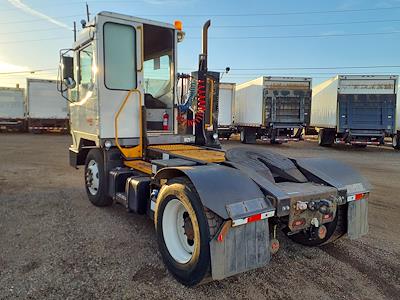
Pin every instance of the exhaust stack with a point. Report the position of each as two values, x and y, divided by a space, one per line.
204 46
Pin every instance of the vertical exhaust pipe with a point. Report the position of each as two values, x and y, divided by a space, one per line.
204 46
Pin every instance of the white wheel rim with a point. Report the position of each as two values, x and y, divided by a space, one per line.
174 233
92 177
394 141
242 136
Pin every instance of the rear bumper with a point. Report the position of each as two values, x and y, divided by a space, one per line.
282 139
376 143
57 125
287 125
226 129
361 137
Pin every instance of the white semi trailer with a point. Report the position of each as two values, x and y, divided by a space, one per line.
225 109
273 108
355 109
46 109
12 116
396 136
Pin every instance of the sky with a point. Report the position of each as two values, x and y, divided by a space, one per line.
313 38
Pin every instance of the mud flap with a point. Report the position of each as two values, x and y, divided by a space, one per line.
357 218
244 248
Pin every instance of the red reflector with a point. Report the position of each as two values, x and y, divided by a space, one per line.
254 218
220 238
326 216
299 222
359 196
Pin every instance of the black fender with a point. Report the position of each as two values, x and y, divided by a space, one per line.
224 190
335 173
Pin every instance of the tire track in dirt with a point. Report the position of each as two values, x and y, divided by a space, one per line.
364 264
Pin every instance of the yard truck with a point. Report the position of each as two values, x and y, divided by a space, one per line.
215 213
276 109
359 110
12 111
46 109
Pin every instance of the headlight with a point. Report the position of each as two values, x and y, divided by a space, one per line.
107 144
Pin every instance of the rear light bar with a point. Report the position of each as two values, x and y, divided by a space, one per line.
356 197
253 218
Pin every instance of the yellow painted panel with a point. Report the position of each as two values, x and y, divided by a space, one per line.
140 165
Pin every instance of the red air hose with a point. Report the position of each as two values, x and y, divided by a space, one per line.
201 105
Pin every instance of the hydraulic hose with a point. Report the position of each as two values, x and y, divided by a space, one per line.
201 104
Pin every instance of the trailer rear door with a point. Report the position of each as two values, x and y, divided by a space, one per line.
375 112
287 102
226 96
367 105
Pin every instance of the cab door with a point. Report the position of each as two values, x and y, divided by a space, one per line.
83 97
120 73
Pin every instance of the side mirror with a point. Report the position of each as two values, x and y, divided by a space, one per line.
68 72
67 67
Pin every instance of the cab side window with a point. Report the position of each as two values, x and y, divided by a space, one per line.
85 72
86 65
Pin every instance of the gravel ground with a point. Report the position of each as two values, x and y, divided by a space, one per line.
54 244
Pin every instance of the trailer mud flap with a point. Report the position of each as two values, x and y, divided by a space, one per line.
244 248
357 218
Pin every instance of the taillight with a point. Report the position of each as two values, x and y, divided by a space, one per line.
327 216
298 222
253 218
357 197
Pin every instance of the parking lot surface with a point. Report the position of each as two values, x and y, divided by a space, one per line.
55 244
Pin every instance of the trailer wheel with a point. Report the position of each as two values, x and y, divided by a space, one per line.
95 179
248 135
335 230
184 228
396 142
326 137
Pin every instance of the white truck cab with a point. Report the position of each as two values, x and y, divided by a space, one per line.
120 65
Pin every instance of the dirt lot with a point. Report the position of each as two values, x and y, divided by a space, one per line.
55 244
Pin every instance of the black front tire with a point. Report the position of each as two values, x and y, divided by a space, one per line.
99 197
335 230
198 267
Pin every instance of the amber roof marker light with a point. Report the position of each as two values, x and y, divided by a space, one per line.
178 25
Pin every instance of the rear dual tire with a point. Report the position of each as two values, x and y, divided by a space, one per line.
396 142
248 135
184 229
326 137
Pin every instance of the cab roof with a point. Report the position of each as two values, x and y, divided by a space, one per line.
135 19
